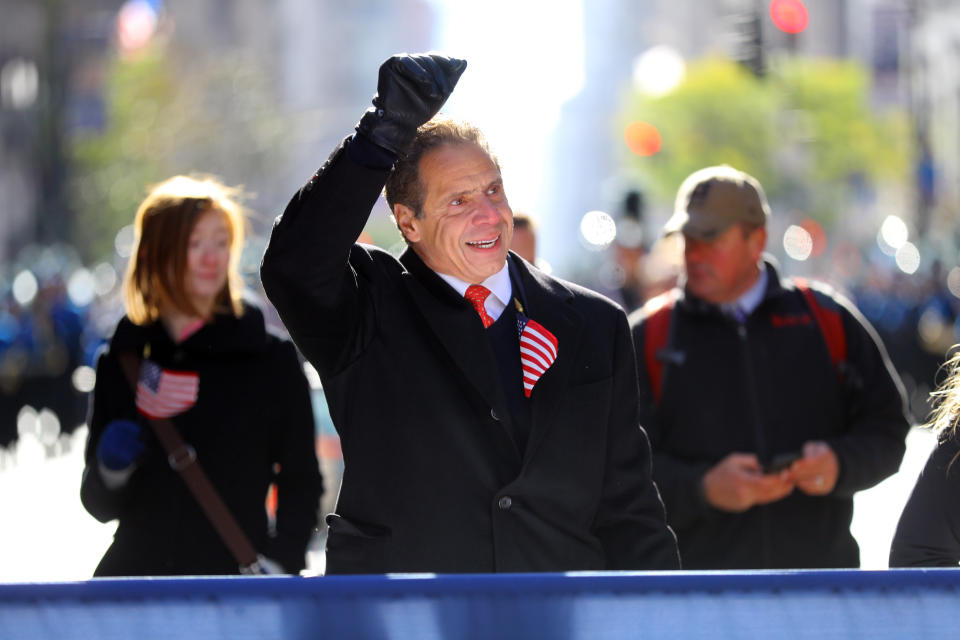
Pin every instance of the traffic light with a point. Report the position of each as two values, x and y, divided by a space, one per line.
790 16
749 50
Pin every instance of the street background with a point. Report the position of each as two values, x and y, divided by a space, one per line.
846 110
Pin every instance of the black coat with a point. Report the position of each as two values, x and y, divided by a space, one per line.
928 533
767 392
433 480
253 412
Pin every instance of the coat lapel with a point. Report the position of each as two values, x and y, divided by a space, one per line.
458 328
547 301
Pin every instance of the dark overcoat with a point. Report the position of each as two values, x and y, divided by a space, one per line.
434 480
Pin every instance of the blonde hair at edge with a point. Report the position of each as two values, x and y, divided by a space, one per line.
162 228
943 419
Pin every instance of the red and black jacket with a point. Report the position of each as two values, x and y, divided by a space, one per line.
767 387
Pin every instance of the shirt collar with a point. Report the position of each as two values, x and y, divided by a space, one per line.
498 284
750 299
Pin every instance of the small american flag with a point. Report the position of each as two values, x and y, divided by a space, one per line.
164 394
538 350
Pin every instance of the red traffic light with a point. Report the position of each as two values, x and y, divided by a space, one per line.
789 15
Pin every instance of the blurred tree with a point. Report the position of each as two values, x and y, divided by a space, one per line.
807 132
112 169
167 114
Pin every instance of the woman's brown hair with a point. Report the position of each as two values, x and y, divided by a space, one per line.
162 228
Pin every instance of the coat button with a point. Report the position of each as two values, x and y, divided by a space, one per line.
493 414
505 503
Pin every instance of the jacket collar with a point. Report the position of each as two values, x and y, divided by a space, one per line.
454 322
225 334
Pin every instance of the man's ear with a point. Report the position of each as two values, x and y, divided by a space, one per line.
407 222
758 242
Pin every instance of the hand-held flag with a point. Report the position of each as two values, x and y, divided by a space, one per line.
164 394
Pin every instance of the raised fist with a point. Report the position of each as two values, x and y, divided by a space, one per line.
411 89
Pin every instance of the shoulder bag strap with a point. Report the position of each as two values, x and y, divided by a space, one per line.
183 459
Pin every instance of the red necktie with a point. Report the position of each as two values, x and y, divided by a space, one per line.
476 294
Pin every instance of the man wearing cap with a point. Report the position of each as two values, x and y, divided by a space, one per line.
768 402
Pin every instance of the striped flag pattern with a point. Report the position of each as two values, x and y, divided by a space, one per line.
538 350
164 394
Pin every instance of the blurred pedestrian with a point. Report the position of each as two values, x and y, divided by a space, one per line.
928 532
236 395
487 411
769 402
524 241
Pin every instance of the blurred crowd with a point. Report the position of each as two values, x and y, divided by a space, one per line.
56 318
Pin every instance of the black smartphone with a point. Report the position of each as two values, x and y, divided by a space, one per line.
781 461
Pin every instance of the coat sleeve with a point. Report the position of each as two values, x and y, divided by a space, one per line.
298 480
111 399
630 522
928 533
309 269
873 442
680 481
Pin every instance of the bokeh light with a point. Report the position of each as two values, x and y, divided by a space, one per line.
19 83
818 237
642 138
27 422
797 242
123 241
105 277
934 330
136 24
81 287
84 378
893 234
908 258
48 425
658 71
598 230
953 282
789 16
25 287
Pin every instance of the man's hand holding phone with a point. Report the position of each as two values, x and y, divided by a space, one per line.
781 462
817 471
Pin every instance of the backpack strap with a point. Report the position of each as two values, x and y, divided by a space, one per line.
831 326
656 337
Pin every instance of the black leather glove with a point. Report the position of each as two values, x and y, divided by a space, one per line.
411 89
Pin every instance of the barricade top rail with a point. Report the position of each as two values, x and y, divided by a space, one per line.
787 581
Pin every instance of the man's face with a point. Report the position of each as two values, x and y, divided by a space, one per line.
467 224
721 269
524 243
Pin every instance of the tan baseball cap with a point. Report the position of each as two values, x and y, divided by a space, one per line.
712 199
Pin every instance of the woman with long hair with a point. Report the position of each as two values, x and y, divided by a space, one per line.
235 393
928 533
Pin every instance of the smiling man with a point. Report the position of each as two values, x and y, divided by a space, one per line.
487 412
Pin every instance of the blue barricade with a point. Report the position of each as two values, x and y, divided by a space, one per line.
906 603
